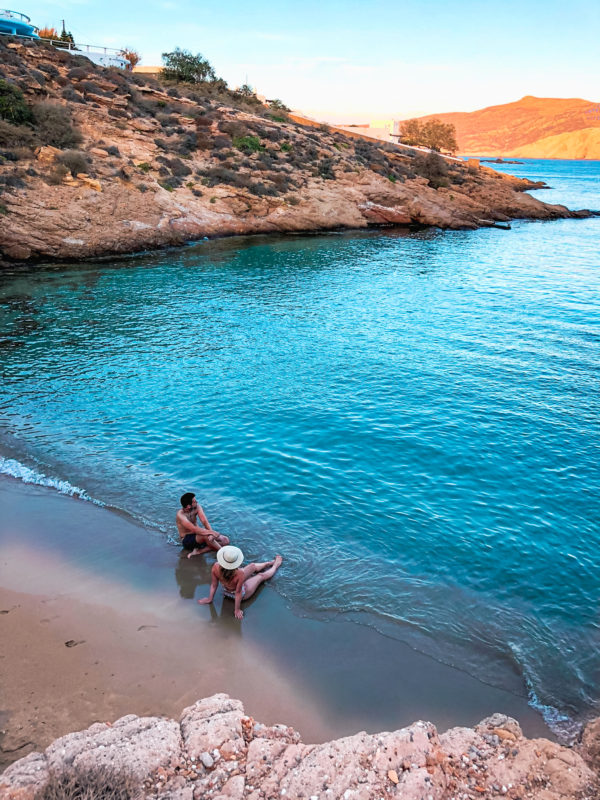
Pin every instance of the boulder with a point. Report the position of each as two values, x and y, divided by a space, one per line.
217 751
590 744
47 154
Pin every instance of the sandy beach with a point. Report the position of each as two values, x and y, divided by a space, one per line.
99 620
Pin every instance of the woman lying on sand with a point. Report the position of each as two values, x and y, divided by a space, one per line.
238 584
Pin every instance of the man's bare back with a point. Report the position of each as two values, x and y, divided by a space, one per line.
194 528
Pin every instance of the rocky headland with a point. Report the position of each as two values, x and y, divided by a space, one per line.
216 751
100 161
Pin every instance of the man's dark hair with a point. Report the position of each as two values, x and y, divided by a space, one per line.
186 499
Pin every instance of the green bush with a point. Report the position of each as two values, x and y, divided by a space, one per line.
13 107
182 66
248 144
52 123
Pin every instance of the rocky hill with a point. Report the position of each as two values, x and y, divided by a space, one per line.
97 161
216 751
533 127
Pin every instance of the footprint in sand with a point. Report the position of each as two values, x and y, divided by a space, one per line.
73 643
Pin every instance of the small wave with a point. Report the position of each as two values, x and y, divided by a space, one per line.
14 468
565 728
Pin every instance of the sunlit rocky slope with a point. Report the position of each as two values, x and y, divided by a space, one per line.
112 162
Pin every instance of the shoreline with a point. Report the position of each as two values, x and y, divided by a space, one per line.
142 647
178 244
118 256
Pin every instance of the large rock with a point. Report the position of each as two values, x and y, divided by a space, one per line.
216 751
590 744
213 723
136 745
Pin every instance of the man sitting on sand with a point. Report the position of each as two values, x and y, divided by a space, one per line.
193 537
238 584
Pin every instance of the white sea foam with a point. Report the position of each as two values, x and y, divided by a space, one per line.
14 468
562 725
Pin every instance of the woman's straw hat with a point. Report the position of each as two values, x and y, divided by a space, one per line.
230 557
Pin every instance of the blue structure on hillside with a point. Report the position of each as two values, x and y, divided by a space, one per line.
13 23
17 24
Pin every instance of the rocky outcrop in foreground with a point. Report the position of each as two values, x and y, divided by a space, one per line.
112 162
216 751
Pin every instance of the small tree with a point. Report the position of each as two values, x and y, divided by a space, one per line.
246 90
48 33
277 105
66 40
131 55
410 132
433 133
438 135
182 66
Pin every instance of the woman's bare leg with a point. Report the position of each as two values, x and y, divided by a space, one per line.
251 569
252 583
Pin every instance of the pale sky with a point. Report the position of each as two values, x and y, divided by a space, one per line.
355 61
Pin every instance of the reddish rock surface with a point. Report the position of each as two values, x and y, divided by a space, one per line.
163 170
216 751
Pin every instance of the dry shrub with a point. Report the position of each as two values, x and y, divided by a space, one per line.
233 128
16 135
204 121
74 161
100 783
221 141
203 142
433 167
53 125
57 175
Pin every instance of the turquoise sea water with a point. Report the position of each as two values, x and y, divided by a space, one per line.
412 419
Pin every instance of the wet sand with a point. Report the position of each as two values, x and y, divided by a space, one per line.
98 619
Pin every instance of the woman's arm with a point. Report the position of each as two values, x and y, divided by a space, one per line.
213 588
239 614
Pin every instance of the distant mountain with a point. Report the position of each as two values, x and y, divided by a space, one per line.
533 127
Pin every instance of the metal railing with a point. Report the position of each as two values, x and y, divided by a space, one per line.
62 45
82 48
5 12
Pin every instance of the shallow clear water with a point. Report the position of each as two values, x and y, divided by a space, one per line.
411 418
